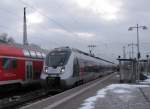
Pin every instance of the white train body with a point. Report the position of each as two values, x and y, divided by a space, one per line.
66 67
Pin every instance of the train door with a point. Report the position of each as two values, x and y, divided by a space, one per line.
29 70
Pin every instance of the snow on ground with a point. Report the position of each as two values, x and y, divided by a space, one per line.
147 81
123 91
117 75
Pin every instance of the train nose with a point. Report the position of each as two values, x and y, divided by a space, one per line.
53 82
46 69
54 71
50 71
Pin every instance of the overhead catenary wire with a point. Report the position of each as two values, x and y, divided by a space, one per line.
33 7
49 18
8 11
14 14
14 30
52 20
7 28
58 5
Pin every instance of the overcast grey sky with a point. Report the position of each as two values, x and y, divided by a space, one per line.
78 23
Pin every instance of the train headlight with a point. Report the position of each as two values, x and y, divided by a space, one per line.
62 70
46 69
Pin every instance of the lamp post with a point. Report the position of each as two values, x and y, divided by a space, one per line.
132 51
124 52
137 27
147 56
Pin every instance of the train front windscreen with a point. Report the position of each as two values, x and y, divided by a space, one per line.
57 58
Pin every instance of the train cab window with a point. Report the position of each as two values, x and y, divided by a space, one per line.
26 53
57 58
6 63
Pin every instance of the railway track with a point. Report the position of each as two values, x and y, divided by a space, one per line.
63 99
16 101
22 99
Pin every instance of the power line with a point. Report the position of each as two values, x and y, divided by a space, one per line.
7 28
4 27
14 14
44 15
51 19
60 6
11 13
13 30
8 11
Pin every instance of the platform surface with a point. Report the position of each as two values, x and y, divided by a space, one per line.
102 95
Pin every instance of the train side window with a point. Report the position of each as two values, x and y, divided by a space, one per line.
39 54
26 53
6 63
44 55
33 54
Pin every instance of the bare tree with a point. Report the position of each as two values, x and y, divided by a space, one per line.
4 37
10 40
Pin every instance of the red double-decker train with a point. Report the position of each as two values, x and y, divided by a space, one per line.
20 65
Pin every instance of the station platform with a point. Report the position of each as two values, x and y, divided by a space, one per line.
103 93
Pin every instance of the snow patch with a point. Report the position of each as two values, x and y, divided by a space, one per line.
123 90
125 97
147 81
117 76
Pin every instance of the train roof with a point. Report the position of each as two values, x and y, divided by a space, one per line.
19 50
87 54
92 56
8 50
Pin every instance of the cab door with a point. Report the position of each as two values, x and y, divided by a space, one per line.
29 70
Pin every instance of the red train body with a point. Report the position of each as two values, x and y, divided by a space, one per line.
20 65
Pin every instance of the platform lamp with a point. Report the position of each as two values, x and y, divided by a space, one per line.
137 27
147 56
